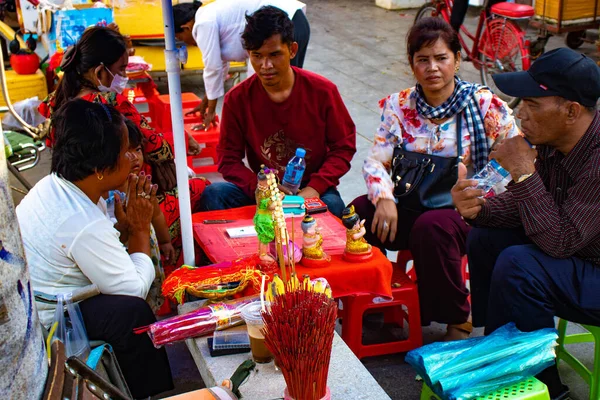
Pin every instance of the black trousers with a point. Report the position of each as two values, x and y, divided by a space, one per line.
112 319
513 280
301 36
459 10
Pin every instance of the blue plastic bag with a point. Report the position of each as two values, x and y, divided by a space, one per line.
474 367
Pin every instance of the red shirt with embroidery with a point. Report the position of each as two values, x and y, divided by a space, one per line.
313 117
559 205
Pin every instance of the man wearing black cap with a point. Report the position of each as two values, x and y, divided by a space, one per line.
535 250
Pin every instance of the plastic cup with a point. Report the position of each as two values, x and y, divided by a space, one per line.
253 318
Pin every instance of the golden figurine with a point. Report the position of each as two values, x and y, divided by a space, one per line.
357 248
312 244
263 219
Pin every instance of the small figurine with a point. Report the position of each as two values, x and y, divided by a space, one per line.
357 248
263 219
312 244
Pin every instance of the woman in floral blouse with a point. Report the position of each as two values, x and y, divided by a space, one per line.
424 119
94 70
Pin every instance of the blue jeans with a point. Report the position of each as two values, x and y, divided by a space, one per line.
513 280
225 195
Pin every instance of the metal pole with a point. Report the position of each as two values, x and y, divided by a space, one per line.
173 74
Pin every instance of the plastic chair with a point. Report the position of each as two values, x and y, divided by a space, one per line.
529 389
592 378
357 305
160 108
24 154
206 161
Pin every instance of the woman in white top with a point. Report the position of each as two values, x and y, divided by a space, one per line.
217 28
70 243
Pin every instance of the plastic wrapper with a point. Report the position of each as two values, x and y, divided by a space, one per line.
28 110
200 322
474 367
70 328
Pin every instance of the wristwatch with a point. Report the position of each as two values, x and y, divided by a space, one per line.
522 178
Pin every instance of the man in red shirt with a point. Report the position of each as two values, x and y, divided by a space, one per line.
269 115
535 250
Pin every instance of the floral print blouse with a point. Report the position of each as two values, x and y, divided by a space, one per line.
401 124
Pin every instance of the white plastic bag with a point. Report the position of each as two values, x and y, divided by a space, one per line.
28 110
70 328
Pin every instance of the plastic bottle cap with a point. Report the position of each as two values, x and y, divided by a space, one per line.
300 152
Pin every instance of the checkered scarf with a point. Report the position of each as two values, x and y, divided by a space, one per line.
461 101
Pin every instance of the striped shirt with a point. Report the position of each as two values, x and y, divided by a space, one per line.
559 205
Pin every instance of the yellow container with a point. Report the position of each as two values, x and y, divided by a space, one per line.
572 10
21 87
142 19
155 55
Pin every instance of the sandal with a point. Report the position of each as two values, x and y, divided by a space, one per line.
458 331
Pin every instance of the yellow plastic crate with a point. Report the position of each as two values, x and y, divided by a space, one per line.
572 10
529 389
142 19
21 87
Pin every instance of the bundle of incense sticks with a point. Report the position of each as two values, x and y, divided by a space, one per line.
299 329
282 242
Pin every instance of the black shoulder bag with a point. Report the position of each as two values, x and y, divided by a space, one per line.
422 182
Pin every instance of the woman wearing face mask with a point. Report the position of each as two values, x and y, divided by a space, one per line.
94 70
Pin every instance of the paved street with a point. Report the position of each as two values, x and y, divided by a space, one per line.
361 48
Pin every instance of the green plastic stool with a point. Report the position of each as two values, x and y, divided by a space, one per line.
592 378
529 389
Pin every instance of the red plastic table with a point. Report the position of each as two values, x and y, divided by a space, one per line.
373 276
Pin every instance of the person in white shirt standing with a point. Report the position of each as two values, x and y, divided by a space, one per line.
70 242
217 28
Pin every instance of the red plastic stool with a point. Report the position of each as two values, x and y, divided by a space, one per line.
404 256
209 139
142 101
161 109
356 306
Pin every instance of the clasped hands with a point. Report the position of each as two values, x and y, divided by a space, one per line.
136 214
514 155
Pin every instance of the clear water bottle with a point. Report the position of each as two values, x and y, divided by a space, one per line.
294 171
491 175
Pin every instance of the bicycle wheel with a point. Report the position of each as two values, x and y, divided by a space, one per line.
501 49
427 10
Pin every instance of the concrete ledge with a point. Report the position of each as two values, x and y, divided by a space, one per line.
348 378
399 4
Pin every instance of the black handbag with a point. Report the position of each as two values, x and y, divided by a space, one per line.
422 182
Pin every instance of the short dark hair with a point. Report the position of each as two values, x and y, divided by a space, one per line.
97 45
427 31
87 139
135 135
264 23
184 13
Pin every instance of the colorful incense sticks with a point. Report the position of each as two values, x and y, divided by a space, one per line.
200 322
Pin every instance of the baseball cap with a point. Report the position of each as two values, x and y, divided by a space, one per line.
561 72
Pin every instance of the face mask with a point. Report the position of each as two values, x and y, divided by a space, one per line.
117 85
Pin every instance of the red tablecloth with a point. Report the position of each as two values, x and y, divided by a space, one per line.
373 276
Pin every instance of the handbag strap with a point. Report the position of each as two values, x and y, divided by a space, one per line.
459 147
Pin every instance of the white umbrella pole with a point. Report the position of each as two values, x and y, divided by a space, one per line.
173 72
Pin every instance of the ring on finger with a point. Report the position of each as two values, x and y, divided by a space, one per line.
385 225
147 196
142 194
